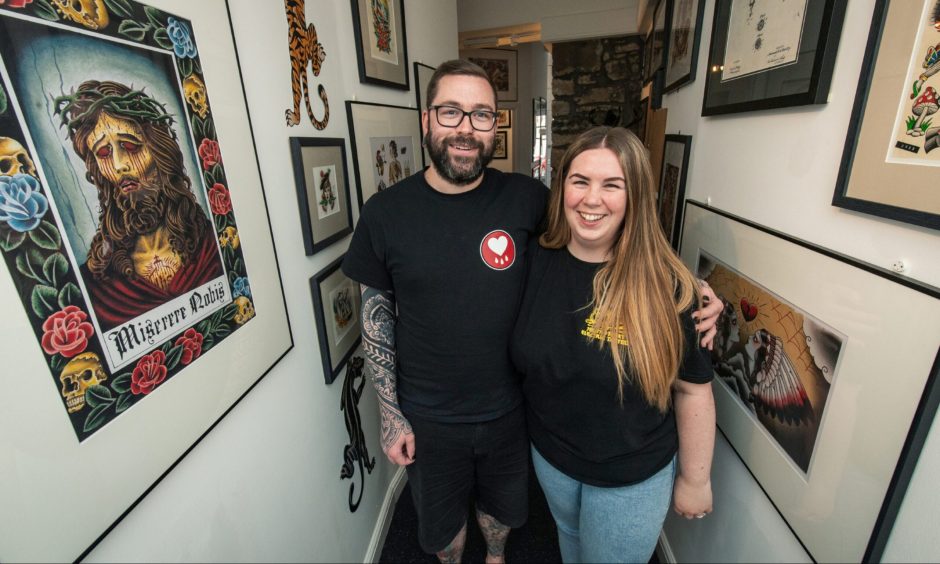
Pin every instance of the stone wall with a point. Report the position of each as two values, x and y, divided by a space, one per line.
594 82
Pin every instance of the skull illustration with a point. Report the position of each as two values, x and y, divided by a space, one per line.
195 91
229 237
90 13
79 374
14 159
245 310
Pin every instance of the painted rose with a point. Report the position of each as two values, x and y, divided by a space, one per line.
148 374
182 40
219 199
241 288
191 341
22 205
209 153
15 3
66 332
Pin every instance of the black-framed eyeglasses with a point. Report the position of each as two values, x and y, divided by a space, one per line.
449 116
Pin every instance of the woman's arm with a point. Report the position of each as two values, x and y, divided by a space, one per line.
695 419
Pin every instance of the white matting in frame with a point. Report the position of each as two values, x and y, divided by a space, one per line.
59 496
885 369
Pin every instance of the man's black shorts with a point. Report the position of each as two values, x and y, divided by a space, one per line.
490 459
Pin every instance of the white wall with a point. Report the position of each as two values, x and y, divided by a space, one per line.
778 168
264 485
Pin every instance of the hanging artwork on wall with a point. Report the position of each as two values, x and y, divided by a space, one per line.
803 346
138 257
423 75
305 50
671 199
500 66
890 163
322 190
500 146
336 309
659 47
685 31
769 54
381 45
356 453
503 118
383 139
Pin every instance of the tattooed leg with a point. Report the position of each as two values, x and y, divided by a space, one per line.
495 534
454 551
378 344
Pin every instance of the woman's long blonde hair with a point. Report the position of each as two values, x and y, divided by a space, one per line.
644 286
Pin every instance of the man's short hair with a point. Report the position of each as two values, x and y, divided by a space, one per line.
456 67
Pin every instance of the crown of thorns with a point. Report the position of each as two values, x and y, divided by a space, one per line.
135 104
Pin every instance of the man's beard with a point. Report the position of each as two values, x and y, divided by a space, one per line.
466 169
141 210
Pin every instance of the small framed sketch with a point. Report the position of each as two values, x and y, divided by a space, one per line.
381 48
769 54
500 146
336 309
656 40
423 74
322 190
503 118
500 65
892 148
384 140
672 185
685 31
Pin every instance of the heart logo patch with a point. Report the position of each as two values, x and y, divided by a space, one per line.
498 250
748 309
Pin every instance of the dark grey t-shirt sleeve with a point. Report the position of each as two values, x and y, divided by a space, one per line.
365 258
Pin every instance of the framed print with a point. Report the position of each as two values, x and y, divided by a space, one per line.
769 54
500 65
381 45
336 308
423 75
671 200
657 39
500 146
384 139
890 162
503 118
804 343
685 31
648 55
138 259
322 190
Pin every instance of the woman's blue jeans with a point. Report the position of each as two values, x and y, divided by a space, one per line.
606 524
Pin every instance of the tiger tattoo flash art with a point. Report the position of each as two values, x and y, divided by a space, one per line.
304 48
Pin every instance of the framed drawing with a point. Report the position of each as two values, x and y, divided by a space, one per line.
671 200
648 55
769 54
322 190
501 146
657 39
890 163
381 44
804 343
383 140
500 65
503 118
685 32
336 308
423 75
139 260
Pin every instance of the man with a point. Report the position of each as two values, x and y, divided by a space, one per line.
440 258
153 241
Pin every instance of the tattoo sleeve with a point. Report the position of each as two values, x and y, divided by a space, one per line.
378 344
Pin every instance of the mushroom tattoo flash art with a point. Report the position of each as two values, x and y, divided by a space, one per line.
916 134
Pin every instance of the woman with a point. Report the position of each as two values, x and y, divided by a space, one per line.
615 382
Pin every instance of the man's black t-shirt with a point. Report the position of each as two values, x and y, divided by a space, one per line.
574 416
456 266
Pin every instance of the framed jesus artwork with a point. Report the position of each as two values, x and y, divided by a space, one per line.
138 257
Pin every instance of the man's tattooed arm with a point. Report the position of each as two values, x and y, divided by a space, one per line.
378 343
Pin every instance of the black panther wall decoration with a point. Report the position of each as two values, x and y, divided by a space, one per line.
356 450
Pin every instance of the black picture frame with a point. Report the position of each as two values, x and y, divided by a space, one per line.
322 222
337 342
656 40
680 69
501 148
423 75
866 182
501 65
671 195
805 81
373 68
504 118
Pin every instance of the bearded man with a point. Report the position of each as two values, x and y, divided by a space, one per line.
153 241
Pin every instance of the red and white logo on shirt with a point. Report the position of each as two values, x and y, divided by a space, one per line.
498 250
